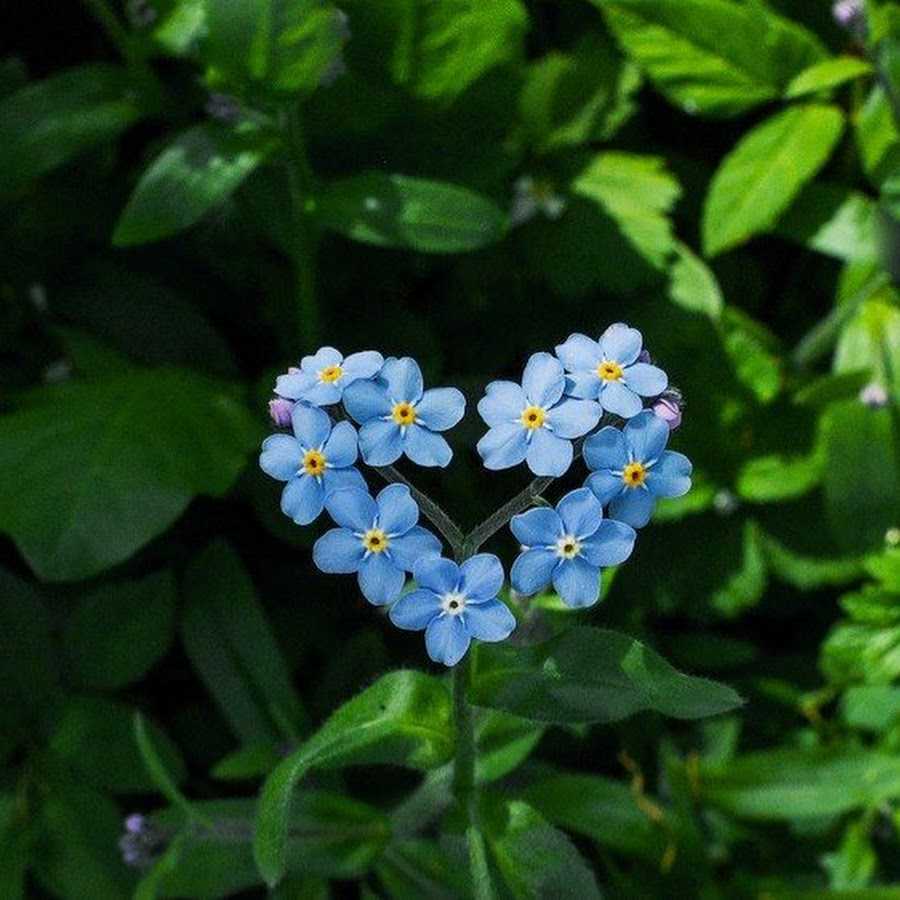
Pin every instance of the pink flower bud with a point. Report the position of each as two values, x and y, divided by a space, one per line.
668 409
280 411
874 396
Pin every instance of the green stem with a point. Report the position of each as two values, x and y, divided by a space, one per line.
464 764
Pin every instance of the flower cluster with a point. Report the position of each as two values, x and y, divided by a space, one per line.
603 400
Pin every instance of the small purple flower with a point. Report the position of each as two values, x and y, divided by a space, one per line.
135 823
142 842
280 412
848 13
874 396
669 408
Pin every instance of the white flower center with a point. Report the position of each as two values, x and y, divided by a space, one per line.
453 603
567 547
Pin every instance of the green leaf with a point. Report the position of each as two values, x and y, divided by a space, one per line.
870 337
751 350
877 136
822 391
746 586
399 211
772 479
853 864
590 675
863 652
871 707
99 480
182 27
402 719
712 57
50 122
200 168
693 285
108 658
828 74
761 176
637 192
231 646
808 573
251 761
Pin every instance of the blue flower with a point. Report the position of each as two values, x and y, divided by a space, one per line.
631 468
568 546
533 422
608 370
378 539
317 460
398 416
322 378
455 604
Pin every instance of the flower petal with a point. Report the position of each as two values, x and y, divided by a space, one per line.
447 640
503 446
365 400
610 545
380 442
311 425
533 570
302 499
425 448
366 364
621 344
646 436
646 380
583 385
549 454
633 506
502 403
397 511
416 544
323 393
321 359
338 552
294 386
491 621
580 512
441 408
341 479
573 418
539 527
577 582
379 579
341 447
437 573
616 398
281 457
415 610
671 476
543 380
606 450
481 577
605 486
352 508
403 378
579 354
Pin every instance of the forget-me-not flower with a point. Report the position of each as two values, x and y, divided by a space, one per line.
609 370
455 604
632 467
569 546
533 422
323 377
378 539
397 415
315 461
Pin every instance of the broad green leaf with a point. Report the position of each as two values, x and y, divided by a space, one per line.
828 74
886 568
251 761
809 573
761 176
230 643
854 863
402 719
771 479
99 479
826 389
637 193
712 57
863 652
872 605
745 586
108 658
200 168
590 675
399 211
871 707
693 285
50 122
877 136
752 350
871 337
179 31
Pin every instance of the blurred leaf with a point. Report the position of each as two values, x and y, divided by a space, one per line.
402 719
108 658
504 742
828 74
693 285
826 389
48 123
712 57
230 643
872 605
418 867
862 652
180 30
809 573
871 707
750 347
763 174
199 169
771 479
399 211
877 136
637 192
855 861
745 587
251 761
590 675
886 568
99 481
870 338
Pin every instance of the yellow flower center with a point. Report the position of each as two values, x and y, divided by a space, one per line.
567 547
404 414
533 417
314 462
330 374
375 540
634 475
609 371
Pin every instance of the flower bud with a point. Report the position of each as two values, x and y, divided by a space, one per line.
668 408
848 13
280 411
874 396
